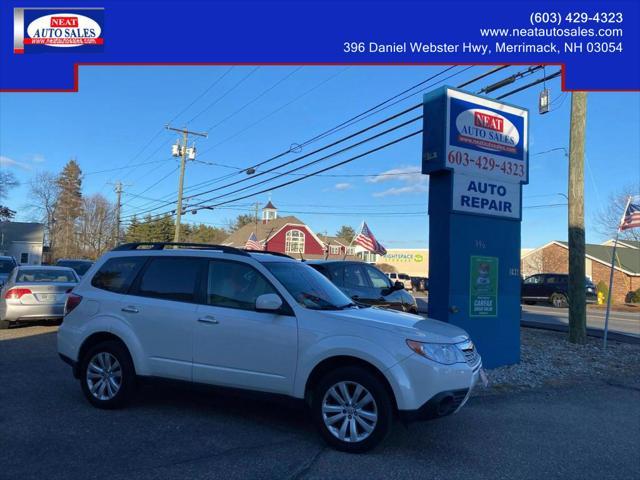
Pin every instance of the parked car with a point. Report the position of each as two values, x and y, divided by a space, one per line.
420 283
552 288
401 277
35 293
6 265
364 283
264 322
80 266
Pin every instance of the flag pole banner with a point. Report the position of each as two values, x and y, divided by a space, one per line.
44 44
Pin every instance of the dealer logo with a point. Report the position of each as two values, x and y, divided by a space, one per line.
38 29
488 130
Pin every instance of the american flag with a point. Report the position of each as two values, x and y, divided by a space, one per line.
631 217
366 239
253 243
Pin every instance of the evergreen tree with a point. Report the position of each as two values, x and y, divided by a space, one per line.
68 210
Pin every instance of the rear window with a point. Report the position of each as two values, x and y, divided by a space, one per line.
6 265
45 275
117 274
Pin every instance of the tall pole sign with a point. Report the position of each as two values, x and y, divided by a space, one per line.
475 151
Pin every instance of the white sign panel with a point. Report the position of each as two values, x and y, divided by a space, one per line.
486 196
486 138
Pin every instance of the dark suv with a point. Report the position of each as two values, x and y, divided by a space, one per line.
366 284
552 288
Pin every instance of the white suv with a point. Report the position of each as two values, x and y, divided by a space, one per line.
266 322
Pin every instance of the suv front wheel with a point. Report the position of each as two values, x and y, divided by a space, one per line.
107 375
352 409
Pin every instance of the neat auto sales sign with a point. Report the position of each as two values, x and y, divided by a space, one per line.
40 29
484 143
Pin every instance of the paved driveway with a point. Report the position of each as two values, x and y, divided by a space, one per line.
47 430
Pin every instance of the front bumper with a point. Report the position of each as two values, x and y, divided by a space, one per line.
442 404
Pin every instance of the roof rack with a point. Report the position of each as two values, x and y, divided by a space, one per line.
163 245
267 252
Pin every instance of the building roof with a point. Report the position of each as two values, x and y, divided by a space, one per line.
262 230
333 240
20 232
627 259
270 205
630 243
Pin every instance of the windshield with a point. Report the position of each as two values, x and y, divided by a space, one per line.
309 287
6 265
45 275
80 267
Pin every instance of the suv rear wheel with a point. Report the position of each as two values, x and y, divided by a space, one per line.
559 300
352 409
107 375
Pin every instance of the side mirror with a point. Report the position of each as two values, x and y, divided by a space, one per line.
398 286
269 302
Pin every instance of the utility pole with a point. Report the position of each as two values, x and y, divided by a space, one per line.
118 190
577 274
182 151
257 208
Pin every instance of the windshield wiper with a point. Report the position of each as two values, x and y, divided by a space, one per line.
348 305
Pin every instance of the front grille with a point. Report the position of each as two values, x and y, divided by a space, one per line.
470 352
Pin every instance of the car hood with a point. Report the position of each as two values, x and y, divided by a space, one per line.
407 324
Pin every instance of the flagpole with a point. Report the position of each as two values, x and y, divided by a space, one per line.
613 259
352 239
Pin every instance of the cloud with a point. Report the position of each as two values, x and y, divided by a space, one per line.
406 174
410 178
342 186
417 188
10 162
37 158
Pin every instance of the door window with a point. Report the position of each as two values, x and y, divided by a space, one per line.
377 278
235 285
24 258
354 277
117 274
171 278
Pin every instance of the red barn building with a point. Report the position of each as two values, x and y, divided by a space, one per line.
290 235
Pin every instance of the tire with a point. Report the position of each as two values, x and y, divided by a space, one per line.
558 300
4 324
375 414
113 357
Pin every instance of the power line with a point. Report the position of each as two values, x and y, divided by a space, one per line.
224 95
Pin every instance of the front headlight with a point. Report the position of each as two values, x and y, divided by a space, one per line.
444 353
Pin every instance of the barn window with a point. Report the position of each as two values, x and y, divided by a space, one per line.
294 241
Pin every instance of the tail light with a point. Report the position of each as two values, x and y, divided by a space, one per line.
73 300
17 293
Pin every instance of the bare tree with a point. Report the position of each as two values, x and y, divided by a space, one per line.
7 182
96 225
43 197
607 221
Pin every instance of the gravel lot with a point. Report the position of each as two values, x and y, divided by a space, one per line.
547 358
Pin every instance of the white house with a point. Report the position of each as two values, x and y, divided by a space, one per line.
23 241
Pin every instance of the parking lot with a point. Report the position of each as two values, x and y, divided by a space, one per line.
49 431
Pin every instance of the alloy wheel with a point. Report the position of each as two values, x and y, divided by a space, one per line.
104 376
349 412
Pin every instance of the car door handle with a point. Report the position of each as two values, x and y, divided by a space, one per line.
208 319
130 309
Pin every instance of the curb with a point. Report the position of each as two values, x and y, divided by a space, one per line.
591 332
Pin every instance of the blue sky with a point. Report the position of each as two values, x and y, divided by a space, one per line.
115 122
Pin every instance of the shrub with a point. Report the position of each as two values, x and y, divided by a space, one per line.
633 297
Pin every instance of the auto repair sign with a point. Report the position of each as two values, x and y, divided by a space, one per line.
55 30
476 136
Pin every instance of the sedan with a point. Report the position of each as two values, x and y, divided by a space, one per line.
365 284
34 293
